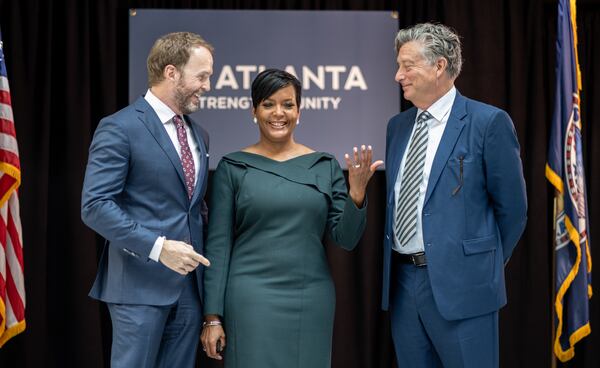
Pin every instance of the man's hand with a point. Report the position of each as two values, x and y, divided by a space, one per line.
180 257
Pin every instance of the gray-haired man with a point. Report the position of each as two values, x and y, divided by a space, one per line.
456 209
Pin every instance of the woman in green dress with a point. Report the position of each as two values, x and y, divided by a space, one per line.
269 287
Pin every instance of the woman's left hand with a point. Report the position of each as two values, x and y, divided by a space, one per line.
360 170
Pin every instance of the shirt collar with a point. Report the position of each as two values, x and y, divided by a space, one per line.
164 112
440 108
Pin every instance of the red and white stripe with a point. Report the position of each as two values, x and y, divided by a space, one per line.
12 283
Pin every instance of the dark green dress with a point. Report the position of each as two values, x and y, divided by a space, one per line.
269 277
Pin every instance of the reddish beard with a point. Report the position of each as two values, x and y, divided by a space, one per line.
183 99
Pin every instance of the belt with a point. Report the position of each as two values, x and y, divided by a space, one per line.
417 259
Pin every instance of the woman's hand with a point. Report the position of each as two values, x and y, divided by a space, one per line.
210 335
360 170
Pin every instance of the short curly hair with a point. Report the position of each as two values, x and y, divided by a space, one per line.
438 41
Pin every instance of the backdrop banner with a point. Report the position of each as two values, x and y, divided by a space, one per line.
344 59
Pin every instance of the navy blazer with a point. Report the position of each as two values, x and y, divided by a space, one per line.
468 235
133 192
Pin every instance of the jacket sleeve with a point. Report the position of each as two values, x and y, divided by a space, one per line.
505 182
104 181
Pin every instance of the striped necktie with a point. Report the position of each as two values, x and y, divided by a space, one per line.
405 224
187 160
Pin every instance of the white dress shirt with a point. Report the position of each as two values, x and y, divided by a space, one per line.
440 111
165 114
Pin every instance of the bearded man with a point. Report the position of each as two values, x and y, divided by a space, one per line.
143 192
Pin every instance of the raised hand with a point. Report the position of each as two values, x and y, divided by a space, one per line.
360 170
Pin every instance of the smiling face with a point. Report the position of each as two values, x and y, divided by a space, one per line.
277 115
193 80
418 78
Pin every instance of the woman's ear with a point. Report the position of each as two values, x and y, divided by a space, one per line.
254 116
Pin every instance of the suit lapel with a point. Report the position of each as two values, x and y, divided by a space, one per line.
203 156
153 124
399 140
454 126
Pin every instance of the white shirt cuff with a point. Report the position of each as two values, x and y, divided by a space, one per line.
157 248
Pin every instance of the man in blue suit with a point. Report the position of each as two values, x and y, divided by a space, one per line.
456 207
143 192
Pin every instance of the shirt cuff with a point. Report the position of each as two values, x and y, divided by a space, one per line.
157 248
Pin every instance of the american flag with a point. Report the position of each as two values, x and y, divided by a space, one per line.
12 285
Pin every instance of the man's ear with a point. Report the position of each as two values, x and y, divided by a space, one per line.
441 65
170 72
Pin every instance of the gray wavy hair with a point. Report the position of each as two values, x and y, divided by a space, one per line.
438 41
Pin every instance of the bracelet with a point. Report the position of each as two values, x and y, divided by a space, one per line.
211 323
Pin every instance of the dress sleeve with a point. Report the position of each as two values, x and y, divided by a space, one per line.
220 238
345 222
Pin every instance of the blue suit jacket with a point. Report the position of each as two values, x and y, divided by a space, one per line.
470 235
133 192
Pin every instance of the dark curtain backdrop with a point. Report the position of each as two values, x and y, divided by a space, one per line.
67 65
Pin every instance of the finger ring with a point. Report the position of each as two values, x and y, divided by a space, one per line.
357 166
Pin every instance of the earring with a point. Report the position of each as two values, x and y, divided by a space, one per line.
298 122
254 120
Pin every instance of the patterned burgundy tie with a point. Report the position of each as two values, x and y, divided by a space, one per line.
187 160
